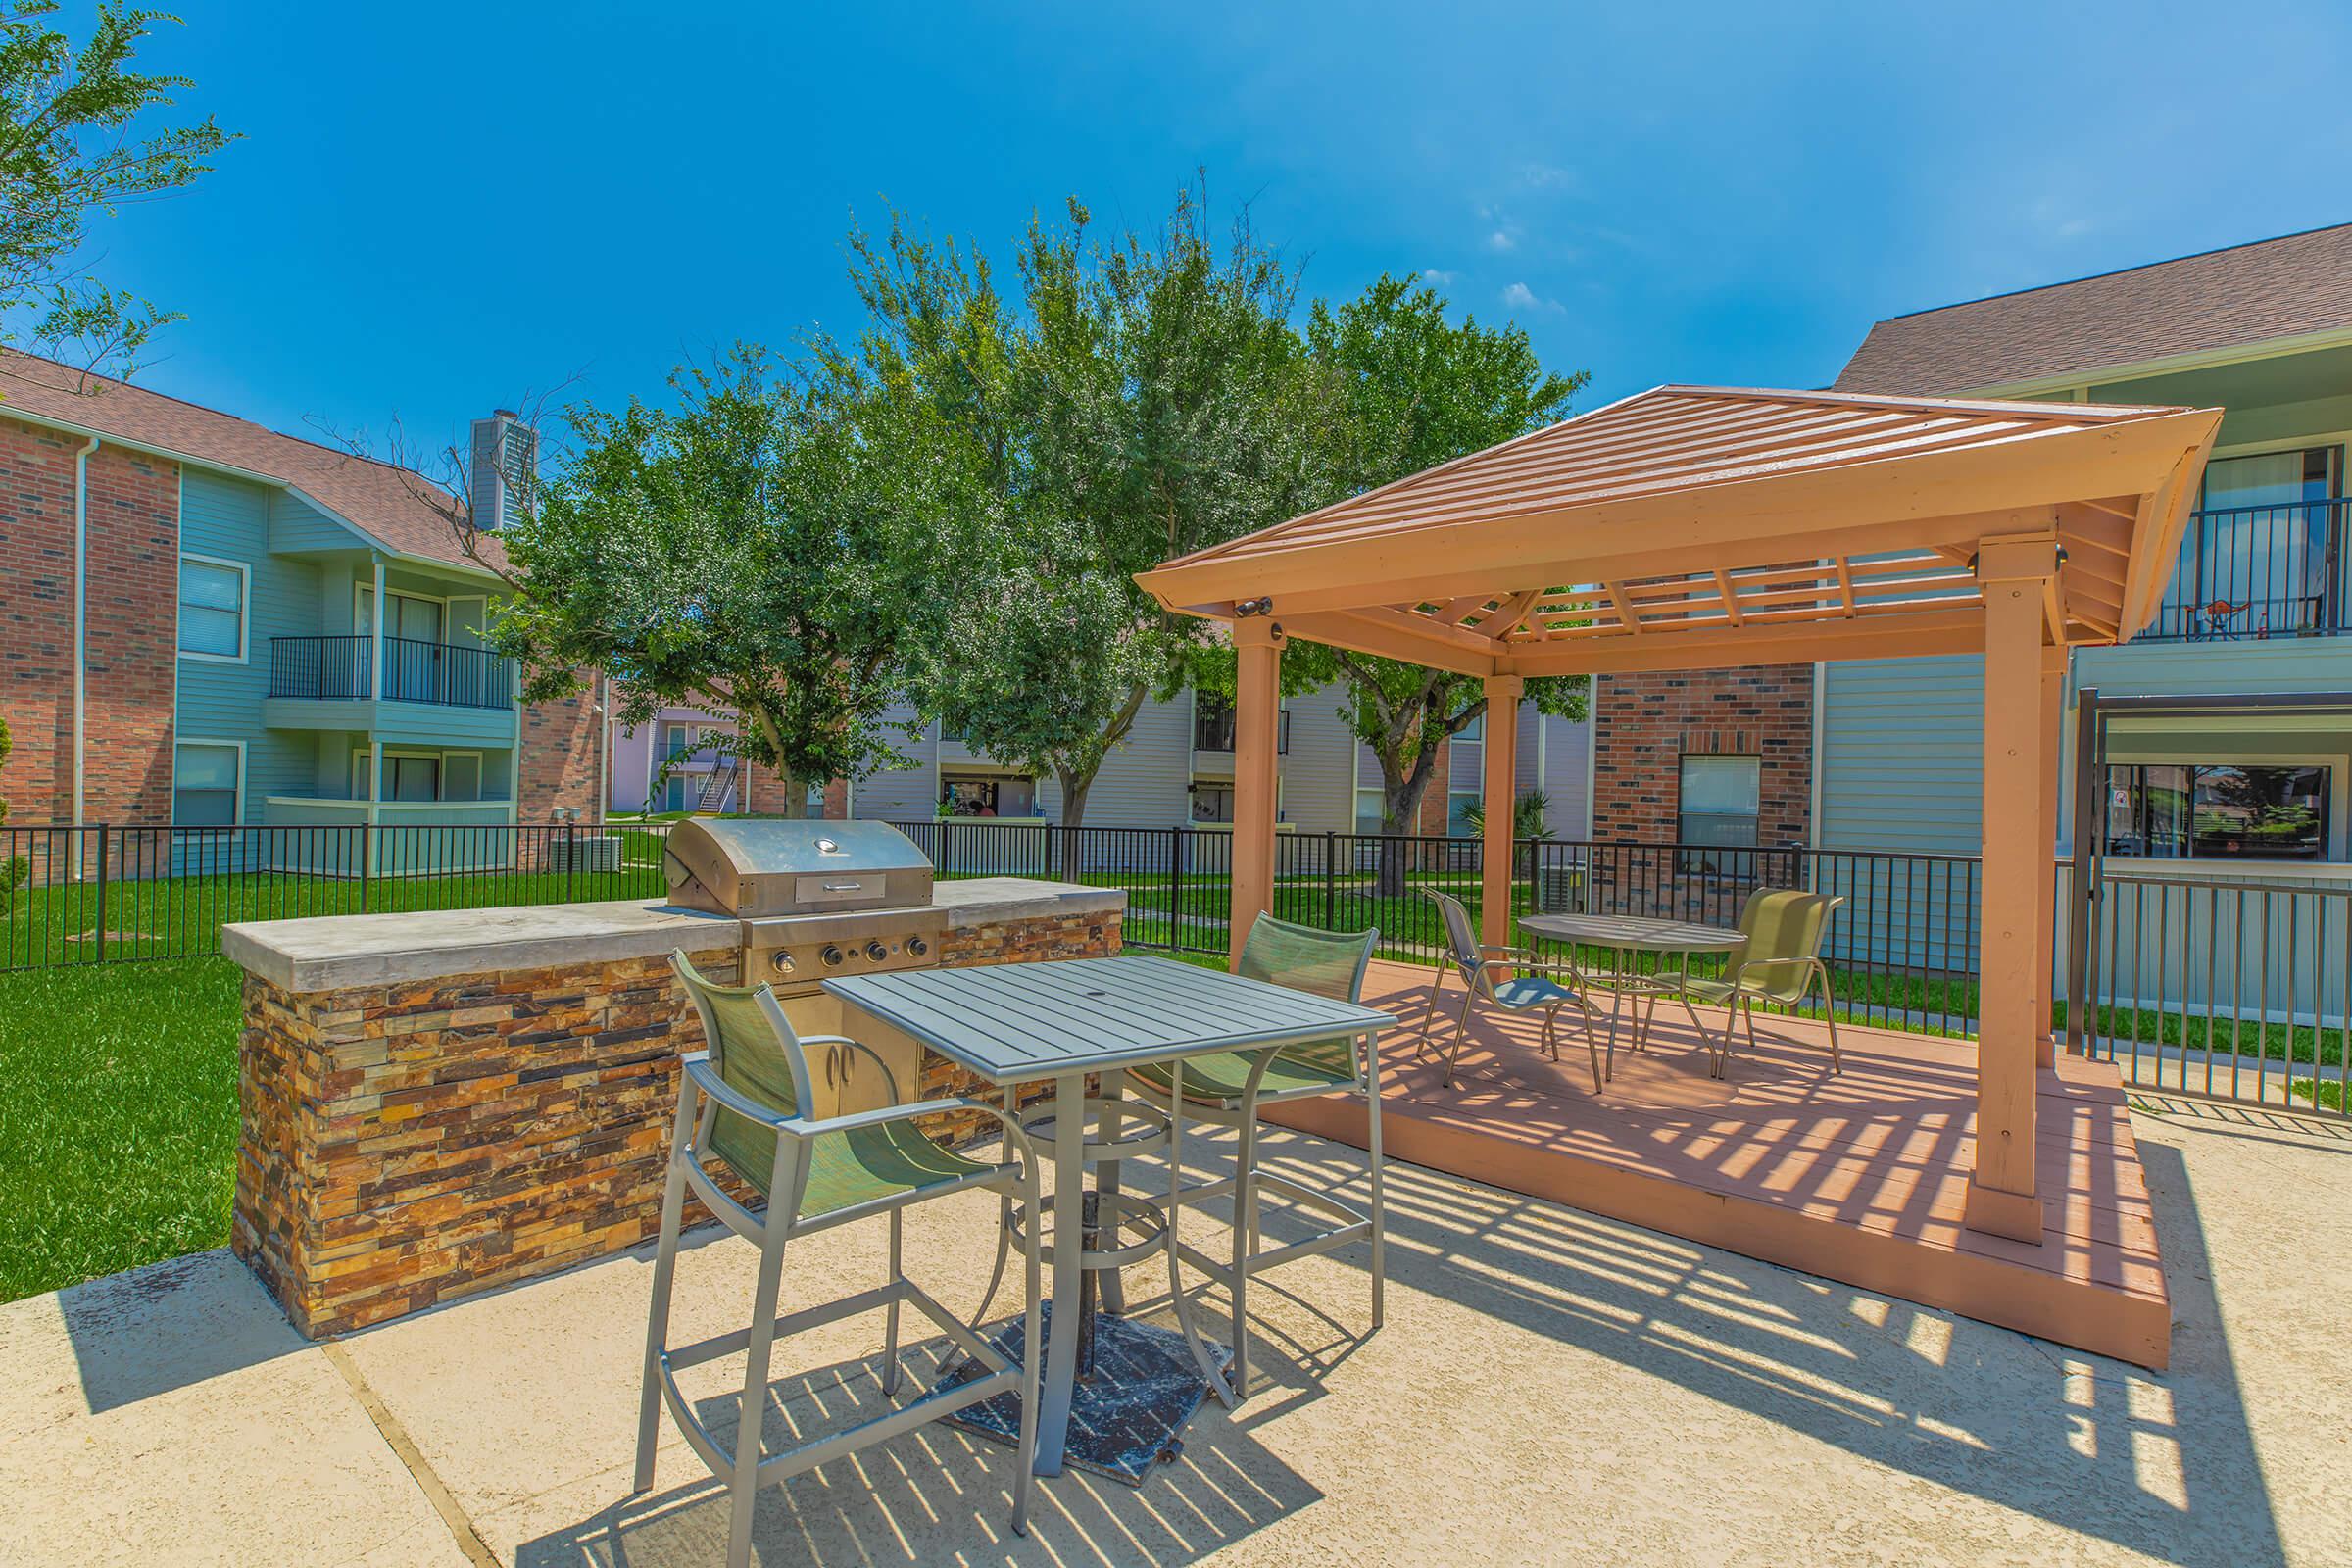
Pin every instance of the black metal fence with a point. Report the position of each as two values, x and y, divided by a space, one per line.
109 895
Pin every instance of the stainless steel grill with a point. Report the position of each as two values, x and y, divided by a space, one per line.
816 899
756 868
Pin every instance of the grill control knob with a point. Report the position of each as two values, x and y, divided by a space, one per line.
832 956
877 952
783 963
917 947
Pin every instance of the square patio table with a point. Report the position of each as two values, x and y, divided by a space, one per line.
1064 1019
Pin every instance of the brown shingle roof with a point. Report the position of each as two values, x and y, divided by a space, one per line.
390 503
2248 294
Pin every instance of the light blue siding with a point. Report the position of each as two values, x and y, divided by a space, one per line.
1901 765
229 518
294 524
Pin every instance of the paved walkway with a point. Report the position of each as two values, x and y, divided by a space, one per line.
1550 1388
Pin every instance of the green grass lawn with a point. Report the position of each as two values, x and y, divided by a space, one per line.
117 1117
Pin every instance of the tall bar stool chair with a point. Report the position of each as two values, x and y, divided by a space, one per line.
1227 1088
745 1103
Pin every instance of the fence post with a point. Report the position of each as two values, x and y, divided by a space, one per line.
1331 881
1177 850
103 835
366 861
571 856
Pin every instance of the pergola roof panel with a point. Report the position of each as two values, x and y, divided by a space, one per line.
1696 521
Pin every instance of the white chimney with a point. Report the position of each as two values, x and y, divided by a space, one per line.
505 468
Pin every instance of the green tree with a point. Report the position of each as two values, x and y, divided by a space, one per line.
1400 388
1132 404
763 548
67 154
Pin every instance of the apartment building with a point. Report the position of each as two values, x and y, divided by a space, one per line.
1174 768
1885 755
208 623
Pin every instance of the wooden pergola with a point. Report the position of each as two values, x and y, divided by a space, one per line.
1708 528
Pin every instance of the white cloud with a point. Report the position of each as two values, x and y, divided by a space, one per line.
1432 275
1543 176
1519 297
1502 240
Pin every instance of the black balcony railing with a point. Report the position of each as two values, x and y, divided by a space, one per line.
342 670
1212 730
2250 572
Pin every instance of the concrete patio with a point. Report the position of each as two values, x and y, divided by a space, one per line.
1552 1387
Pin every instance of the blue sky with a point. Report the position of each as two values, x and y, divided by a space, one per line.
437 208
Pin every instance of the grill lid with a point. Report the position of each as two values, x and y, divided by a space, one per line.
750 867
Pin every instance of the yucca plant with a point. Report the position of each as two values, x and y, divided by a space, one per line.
1528 816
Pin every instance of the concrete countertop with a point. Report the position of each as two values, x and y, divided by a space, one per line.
333 953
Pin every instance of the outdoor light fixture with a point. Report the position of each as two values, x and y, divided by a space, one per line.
1243 609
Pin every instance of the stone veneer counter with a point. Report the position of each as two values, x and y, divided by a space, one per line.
438 1104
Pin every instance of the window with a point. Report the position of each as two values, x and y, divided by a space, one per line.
1370 803
412 778
1212 801
2220 811
204 783
211 608
462 775
989 796
1465 777
1720 799
1212 725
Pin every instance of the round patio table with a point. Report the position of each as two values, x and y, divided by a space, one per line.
1626 934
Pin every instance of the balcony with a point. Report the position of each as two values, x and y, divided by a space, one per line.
2248 573
438 674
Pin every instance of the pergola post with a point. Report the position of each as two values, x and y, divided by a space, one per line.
2017 578
2053 729
1500 751
1256 719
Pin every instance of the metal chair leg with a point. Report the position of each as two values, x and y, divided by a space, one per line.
996 1275
1245 1239
743 1486
1033 1356
1379 1210
656 1326
890 1315
1209 1373
1462 1035
1429 1014
1828 1014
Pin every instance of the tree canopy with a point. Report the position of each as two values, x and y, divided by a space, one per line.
1397 388
759 547
1134 401
67 154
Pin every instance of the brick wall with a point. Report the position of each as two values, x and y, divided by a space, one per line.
133 523
133 631
417 1141
766 791
561 758
36 620
1642 724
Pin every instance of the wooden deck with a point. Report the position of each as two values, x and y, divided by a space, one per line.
1858 1176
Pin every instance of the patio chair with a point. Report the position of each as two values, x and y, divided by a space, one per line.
1461 955
745 1103
1227 1088
1780 963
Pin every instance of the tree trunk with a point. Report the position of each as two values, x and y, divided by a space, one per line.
1074 789
1400 790
796 796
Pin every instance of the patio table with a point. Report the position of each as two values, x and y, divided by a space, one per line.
1068 1018
1624 934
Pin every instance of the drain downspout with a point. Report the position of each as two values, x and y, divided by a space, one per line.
81 622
